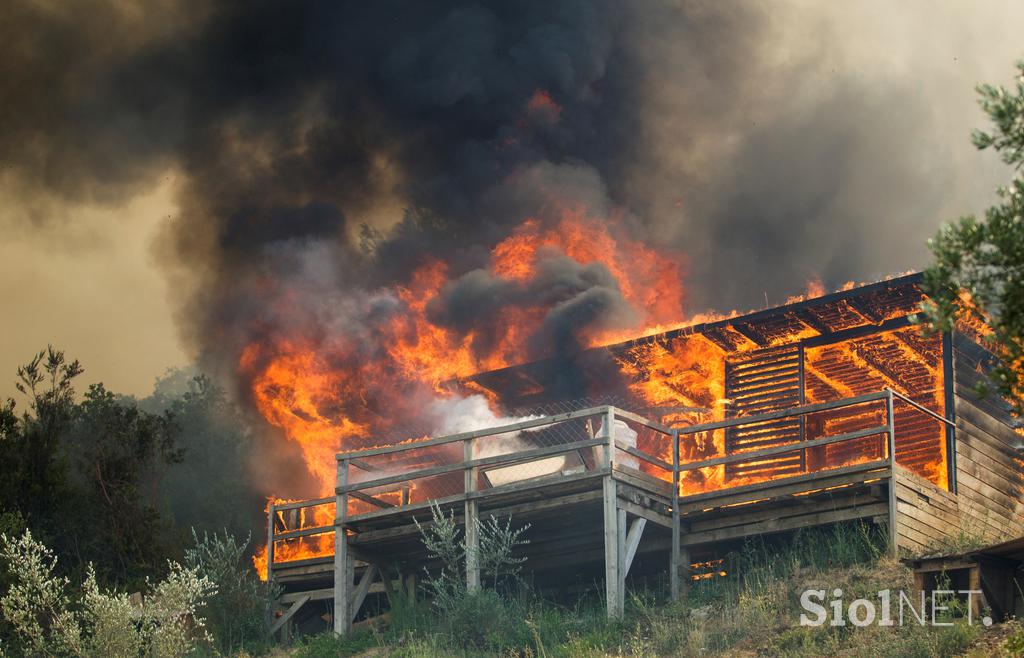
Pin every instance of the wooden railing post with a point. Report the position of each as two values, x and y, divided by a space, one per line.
270 545
613 593
609 423
271 604
891 432
343 566
673 562
471 512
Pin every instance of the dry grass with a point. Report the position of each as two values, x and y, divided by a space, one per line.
754 612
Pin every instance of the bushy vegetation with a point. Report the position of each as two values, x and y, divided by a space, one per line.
212 605
110 487
50 618
76 472
494 555
236 613
754 610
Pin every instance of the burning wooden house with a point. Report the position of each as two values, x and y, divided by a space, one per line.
830 409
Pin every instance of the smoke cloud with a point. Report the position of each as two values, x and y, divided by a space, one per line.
326 150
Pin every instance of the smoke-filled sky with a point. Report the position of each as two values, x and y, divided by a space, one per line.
180 178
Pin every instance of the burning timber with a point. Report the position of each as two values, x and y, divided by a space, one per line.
828 410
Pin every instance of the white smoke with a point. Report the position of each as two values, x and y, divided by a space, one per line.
456 415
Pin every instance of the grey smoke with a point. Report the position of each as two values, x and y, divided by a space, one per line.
576 297
326 149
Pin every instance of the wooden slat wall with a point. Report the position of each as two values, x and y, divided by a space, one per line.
901 359
990 471
755 383
928 517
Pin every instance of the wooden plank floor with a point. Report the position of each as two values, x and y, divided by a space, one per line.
566 524
843 494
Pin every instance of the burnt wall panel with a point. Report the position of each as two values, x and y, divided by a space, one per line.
902 359
760 382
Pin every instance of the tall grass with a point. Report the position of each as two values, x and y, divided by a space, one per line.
754 609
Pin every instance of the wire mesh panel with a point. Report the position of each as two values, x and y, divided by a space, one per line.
644 448
432 469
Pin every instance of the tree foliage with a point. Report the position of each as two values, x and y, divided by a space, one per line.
216 444
112 487
80 473
979 263
50 620
236 613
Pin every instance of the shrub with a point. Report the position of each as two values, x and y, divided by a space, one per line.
329 645
480 619
444 542
484 620
236 613
47 622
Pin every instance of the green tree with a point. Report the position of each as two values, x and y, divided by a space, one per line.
118 454
979 263
32 473
83 475
211 489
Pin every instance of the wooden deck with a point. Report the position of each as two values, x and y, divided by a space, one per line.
610 495
598 503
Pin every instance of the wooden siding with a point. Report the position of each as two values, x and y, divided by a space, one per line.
927 517
989 468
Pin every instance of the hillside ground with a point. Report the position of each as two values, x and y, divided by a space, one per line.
753 611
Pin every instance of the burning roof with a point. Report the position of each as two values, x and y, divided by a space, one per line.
856 309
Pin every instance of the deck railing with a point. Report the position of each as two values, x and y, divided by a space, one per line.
874 417
481 463
472 466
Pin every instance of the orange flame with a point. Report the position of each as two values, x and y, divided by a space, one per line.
344 396
327 399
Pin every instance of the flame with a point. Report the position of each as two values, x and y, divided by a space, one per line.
299 548
541 103
323 406
326 396
690 372
350 391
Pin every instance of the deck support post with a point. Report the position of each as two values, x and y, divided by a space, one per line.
620 551
891 436
343 563
673 558
270 552
410 587
632 544
612 533
361 590
471 512
612 578
685 578
389 588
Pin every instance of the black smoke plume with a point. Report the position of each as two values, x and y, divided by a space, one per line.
327 149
